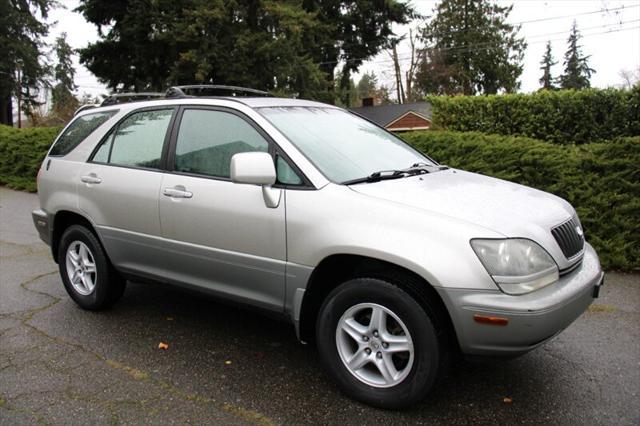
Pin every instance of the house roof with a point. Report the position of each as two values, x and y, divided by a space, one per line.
385 114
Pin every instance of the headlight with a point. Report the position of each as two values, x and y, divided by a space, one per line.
517 265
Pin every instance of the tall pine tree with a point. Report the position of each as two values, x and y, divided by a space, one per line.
547 81
576 69
64 74
470 48
22 28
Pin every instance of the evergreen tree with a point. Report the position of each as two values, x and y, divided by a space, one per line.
64 74
576 69
367 87
347 94
22 27
547 81
350 32
470 48
290 46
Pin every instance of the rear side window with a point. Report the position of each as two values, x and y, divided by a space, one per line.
79 130
137 141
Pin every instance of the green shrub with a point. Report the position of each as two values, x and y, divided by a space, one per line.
601 180
21 153
564 116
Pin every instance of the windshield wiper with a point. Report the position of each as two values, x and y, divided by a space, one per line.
428 167
415 169
377 176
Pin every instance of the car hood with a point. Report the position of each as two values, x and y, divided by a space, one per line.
507 208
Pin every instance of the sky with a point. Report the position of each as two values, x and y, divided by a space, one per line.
610 29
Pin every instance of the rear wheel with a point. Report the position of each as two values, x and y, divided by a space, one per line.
378 343
87 275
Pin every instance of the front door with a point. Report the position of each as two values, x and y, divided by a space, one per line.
221 235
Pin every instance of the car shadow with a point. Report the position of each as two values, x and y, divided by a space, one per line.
221 350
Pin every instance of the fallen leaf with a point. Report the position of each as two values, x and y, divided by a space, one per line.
163 346
227 362
507 400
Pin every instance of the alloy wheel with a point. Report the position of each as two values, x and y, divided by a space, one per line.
81 268
375 345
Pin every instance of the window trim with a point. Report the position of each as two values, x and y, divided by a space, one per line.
114 129
273 148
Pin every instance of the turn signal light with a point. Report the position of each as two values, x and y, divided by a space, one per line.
482 319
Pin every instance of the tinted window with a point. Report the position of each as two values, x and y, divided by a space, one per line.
102 154
208 139
286 174
138 140
78 131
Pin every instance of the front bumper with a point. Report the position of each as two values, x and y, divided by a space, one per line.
43 224
533 318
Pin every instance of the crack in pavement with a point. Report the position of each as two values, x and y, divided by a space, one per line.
25 316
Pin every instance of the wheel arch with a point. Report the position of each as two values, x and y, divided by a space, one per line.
61 221
338 268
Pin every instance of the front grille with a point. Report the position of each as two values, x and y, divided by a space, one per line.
569 237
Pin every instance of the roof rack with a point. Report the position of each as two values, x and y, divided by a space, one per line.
120 98
213 90
191 91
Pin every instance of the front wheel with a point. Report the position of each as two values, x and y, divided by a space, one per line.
378 343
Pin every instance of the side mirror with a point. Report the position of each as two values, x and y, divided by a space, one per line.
254 168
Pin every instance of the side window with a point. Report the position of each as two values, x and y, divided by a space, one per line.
208 139
102 154
137 141
286 174
78 131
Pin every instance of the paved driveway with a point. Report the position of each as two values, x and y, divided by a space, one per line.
62 365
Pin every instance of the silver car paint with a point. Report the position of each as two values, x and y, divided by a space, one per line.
507 208
245 237
233 245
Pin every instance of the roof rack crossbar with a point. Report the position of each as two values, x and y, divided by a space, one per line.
196 90
119 98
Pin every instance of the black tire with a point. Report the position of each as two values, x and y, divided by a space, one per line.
109 285
429 350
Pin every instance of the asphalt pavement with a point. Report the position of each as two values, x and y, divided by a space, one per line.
227 365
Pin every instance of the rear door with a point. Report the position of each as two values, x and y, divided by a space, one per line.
221 235
119 189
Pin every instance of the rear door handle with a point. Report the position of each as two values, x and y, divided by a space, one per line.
177 192
91 178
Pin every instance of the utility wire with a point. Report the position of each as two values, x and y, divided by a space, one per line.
603 10
489 45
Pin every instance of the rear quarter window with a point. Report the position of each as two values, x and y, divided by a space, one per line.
78 131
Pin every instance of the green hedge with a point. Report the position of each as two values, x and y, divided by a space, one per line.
601 180
21 152
564 116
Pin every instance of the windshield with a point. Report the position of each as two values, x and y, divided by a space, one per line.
342 145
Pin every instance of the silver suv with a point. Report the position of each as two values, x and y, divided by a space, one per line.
388 261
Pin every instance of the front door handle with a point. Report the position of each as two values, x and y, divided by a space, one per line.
177 192
91 178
